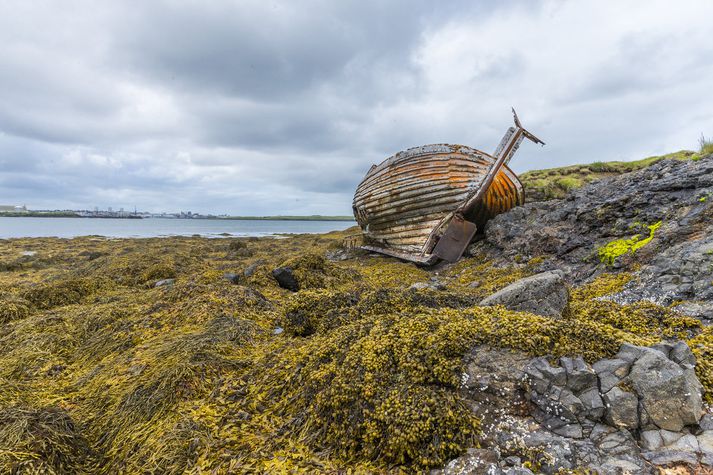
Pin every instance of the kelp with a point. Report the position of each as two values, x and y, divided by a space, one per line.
103 372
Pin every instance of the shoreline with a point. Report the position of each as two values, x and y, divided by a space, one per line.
207 218
163 228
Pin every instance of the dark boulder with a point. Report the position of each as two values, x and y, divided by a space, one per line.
675 266
286 278
232 277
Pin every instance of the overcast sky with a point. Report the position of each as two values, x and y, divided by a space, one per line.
280 107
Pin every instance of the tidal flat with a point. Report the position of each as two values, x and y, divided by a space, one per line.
184 355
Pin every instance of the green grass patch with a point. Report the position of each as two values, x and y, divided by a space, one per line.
555 183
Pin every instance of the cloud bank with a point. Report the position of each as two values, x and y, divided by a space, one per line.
254 107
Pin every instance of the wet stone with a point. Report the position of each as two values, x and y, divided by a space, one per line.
286 279
232 278
165 283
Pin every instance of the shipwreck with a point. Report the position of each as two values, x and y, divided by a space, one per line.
426 203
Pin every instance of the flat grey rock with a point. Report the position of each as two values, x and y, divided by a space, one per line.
542 294
621 409
651 440
665 457
670 395
705 441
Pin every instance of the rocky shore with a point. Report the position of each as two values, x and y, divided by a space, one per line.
573 338
642 410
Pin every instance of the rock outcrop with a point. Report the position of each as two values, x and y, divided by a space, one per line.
542 294
286 278
641 388
610 417
677 265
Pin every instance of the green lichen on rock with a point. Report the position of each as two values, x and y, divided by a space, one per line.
609 253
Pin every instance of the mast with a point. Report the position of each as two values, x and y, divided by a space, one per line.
460 231
505 151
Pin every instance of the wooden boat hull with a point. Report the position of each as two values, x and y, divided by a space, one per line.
426 203
402 201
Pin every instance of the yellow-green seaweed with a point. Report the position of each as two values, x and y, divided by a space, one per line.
120 376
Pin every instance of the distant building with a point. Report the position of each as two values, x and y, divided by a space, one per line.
13 209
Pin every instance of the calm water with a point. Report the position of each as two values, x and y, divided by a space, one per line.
156 227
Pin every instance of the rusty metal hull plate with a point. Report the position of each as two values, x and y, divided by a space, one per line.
455 239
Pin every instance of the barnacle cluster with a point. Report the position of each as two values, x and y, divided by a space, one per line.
103 372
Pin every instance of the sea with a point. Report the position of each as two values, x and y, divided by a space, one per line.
160 227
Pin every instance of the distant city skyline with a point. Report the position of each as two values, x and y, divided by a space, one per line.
264 108
121 212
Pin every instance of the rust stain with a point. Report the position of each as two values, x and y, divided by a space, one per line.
426 203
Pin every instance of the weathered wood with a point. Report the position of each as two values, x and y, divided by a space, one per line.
406 204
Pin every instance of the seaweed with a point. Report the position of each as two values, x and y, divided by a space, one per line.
101 372
41 440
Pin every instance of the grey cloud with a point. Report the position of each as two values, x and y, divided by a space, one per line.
264 50
277 107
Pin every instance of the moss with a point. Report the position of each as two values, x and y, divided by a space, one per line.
706 147
569 183
555 183
609 253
